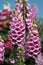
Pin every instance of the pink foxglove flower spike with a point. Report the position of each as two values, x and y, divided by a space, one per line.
29 16
17 28
2 51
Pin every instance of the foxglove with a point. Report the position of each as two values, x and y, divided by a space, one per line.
28 16
2 51
17 27
33 45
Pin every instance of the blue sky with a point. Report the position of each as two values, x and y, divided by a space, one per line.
39 4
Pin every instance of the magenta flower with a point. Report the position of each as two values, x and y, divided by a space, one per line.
2 51
17 28
2 18
5 12
11 60
3 15
39 60
8 45
19 6
29 16
33 45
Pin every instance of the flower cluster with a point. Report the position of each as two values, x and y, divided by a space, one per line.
21 20
17 27
4 18
39 60
33 45
2 51
29 16
3 14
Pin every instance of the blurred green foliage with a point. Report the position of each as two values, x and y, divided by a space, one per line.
40 28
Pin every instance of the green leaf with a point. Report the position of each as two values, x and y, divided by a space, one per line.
7 53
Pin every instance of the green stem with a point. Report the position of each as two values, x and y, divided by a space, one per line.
24 17
24 10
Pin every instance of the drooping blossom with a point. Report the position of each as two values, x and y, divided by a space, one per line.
29 16
33 45
2 50
17 28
